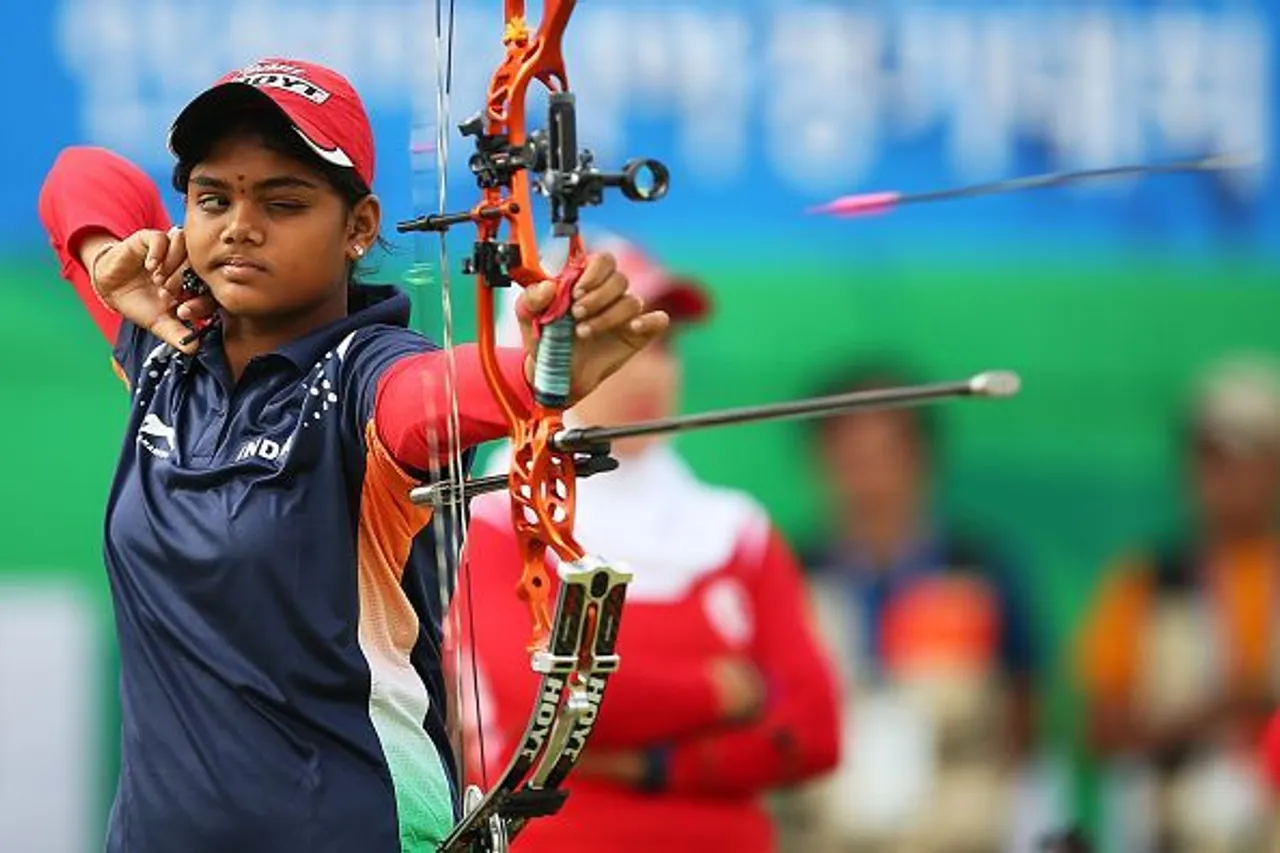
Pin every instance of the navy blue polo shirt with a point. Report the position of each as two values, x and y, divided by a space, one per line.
277 603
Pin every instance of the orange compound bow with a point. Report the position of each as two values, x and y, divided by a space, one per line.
572 645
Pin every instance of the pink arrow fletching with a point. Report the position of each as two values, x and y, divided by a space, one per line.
865 204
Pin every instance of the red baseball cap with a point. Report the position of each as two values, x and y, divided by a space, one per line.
320 104
685 299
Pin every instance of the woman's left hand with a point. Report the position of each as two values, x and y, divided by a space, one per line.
611 323
625 767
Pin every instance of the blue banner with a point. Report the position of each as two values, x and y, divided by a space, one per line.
761 108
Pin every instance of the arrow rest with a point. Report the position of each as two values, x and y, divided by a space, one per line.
592 459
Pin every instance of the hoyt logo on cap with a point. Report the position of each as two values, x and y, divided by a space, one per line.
279 75
323 107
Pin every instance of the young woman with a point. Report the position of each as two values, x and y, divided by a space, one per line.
724 694
275 591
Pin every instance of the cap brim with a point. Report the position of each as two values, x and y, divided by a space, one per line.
200 118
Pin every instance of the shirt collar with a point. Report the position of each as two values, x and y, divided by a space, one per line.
370 304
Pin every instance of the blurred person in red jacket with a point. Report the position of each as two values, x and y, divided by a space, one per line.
723 693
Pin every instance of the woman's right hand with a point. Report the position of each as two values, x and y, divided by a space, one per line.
140 278
741 689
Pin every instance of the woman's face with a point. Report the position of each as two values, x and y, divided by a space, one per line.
1237 493
645 388
874 461
269 234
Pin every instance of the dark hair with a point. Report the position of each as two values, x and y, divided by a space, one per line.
875 375
274 131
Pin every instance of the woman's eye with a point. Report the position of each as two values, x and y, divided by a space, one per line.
211 203
286 205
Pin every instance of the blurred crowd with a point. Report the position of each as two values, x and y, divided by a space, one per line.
930 623
918 726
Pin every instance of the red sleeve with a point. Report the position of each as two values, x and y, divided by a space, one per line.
683 691
88 190
1271 753
412 407
798 736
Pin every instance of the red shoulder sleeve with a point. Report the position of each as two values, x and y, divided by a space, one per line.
89 190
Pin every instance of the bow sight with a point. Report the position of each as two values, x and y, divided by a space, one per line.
566 175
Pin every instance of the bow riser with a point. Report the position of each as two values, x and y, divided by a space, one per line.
541 482
530 57
543 490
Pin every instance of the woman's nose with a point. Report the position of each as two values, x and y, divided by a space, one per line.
243 225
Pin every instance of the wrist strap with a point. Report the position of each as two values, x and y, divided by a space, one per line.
657 764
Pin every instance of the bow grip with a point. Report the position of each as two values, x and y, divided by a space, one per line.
554 333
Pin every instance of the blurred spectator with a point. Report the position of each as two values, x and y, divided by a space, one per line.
935 646
723 692
1178 654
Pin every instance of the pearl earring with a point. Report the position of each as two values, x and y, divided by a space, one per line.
359 250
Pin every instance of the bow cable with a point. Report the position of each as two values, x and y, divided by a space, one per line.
429 149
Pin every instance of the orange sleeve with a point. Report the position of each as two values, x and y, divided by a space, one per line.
1247 593
1107 653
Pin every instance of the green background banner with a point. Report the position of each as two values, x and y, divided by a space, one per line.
1082 463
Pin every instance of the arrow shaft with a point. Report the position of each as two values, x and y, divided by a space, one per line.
1056 179
581 439
866 204
593 442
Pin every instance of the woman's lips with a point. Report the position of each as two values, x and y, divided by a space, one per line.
239 270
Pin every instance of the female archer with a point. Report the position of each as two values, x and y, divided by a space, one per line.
274 589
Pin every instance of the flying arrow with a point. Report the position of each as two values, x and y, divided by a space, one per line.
870 204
